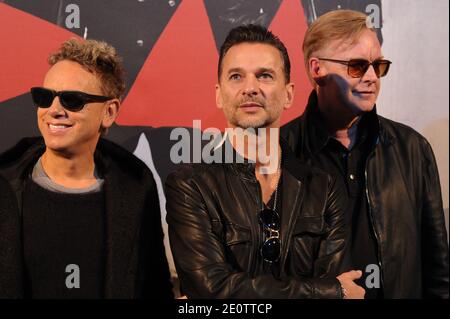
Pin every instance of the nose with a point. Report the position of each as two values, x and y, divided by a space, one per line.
56 109
250 86
370 75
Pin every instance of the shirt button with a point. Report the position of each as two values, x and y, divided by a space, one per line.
352 177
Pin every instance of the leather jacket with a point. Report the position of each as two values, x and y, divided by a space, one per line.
216 237
404 201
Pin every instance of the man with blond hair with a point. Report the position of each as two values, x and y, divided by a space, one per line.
398 236
89 210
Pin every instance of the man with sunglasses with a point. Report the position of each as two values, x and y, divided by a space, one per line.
398 237
247 227
89 222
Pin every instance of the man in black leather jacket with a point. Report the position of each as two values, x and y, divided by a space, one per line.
239 229
398 236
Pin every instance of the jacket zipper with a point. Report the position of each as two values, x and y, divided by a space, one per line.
380 263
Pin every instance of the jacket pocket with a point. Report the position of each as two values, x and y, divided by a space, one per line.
236 234
305 244
238 246
315 226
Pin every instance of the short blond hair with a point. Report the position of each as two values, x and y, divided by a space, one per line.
98 57
335 25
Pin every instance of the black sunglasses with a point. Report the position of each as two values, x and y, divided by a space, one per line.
358 67
71 100
270 249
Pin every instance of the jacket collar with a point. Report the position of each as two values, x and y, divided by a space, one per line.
315 136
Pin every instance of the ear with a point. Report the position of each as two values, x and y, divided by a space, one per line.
317 71
110 113
289 96
218 97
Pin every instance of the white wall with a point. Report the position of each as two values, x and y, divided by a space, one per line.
416 90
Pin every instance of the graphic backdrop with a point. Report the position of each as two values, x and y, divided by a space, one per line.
170 51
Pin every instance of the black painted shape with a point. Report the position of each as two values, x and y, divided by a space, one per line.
120 23
17 120
225 15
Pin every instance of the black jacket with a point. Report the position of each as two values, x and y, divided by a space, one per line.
404 198
216 237
10 272
136 264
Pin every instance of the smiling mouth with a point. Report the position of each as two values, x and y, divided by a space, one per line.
56 128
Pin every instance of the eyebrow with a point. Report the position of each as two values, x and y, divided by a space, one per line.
381 57
234 70
260 70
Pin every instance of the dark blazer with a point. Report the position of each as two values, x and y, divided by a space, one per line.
216 237
136 264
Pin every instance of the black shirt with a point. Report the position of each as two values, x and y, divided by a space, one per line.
60 230
349 164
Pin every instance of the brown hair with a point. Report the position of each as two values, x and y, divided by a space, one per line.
335 25
98 57
252 33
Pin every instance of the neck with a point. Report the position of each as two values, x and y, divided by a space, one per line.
340 122
74 171
348 136
259 145
263 148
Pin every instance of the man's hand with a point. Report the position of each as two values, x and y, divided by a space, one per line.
351 290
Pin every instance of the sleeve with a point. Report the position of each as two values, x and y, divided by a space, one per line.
11 276
201 262
435 254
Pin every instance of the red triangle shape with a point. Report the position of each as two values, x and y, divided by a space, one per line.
27 42
176 83
290 25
